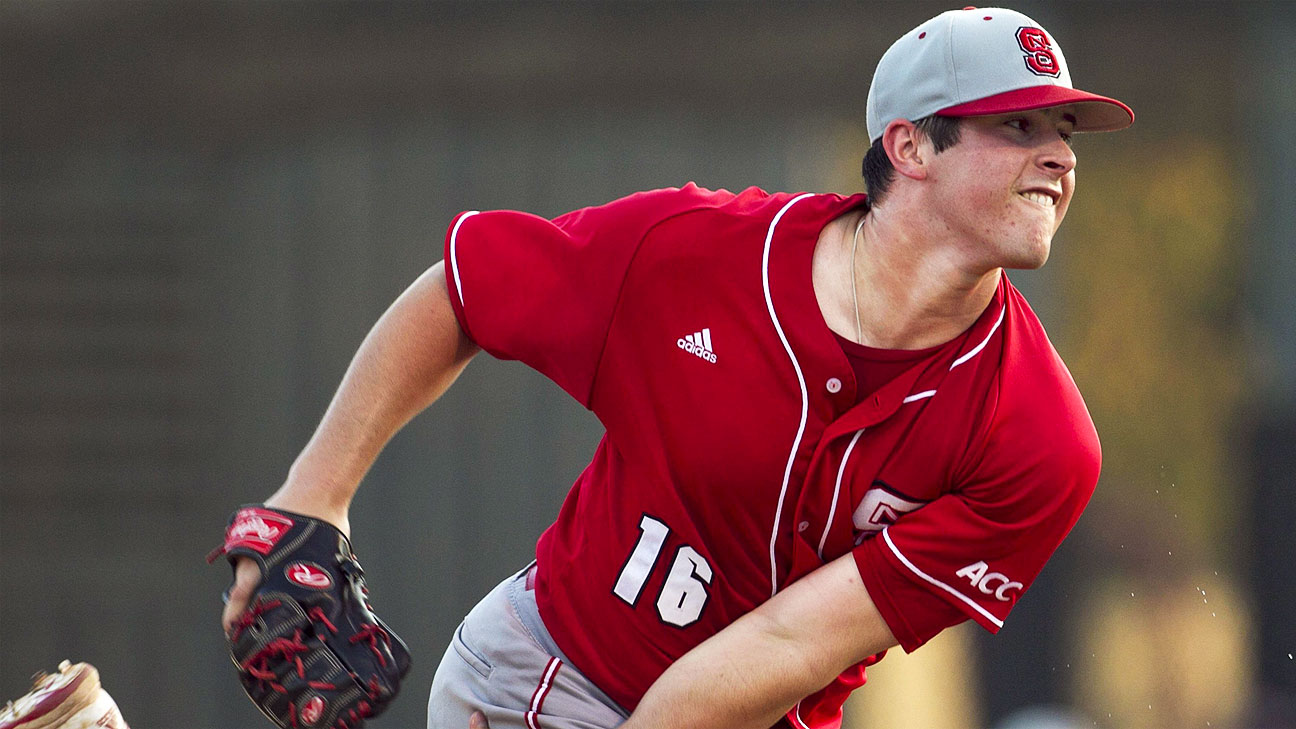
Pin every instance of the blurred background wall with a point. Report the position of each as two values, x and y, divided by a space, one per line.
204 206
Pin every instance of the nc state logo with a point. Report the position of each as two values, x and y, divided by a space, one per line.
312 710
256 529
880 508
1040 58
308 576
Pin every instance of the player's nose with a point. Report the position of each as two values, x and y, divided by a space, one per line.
1057 158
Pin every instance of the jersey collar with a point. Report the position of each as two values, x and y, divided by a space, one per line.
820 359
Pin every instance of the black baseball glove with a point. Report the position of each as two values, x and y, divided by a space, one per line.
309 650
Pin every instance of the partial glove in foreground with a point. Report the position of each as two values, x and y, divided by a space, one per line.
69 699
309 650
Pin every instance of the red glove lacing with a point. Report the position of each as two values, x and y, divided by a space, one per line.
258 666
373 634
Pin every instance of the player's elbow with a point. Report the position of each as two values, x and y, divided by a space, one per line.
822 625
802 664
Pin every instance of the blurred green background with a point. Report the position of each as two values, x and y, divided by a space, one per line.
204 206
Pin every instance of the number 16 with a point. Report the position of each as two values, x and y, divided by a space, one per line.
684 594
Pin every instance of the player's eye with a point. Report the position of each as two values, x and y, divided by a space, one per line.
1066 137
1018 124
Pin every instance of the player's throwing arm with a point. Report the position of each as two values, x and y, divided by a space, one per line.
308 648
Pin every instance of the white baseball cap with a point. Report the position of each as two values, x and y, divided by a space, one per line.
978 61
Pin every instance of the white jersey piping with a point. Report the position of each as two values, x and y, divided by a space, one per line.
805 400
969 355
977 349
919 395
913 568
454 255
795 716
837 489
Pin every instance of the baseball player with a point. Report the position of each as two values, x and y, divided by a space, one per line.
833 425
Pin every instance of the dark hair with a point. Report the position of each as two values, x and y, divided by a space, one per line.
943 131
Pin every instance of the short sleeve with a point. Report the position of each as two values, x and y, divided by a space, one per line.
972 553
544 291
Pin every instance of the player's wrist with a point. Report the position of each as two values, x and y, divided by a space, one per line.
314 509
313 498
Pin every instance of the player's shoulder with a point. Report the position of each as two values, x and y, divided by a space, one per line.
1038 401
667 202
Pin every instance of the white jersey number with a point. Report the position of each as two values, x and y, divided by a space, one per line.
684 593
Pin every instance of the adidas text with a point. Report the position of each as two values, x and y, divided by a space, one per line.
697 344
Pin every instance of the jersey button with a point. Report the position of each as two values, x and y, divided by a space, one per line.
834 385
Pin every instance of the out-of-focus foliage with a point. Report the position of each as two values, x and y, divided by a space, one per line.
1152 336
933 688
1164 654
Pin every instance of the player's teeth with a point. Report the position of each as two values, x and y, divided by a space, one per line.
1038 197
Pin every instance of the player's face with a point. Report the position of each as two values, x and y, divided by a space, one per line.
1005 186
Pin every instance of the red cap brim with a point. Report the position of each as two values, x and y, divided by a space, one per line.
1094 113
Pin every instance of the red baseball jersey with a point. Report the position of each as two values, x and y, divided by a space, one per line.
738 456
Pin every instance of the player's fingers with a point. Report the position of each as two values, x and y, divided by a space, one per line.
478 721
246 577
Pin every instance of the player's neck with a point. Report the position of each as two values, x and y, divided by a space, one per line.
913 289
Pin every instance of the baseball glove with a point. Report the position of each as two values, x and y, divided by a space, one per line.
309 650
69 699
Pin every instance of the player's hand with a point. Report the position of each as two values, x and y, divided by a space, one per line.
478 721
246 574
246 579
296 575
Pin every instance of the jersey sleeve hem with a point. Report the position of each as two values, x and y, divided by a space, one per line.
881 564
891 614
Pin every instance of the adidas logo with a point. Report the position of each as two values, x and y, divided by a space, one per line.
698 344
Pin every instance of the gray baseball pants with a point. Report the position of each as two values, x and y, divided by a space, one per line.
503 662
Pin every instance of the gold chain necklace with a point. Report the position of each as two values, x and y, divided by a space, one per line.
859 330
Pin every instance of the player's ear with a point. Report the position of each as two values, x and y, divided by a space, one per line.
907 148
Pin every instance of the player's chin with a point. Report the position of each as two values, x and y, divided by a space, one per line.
1030 255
